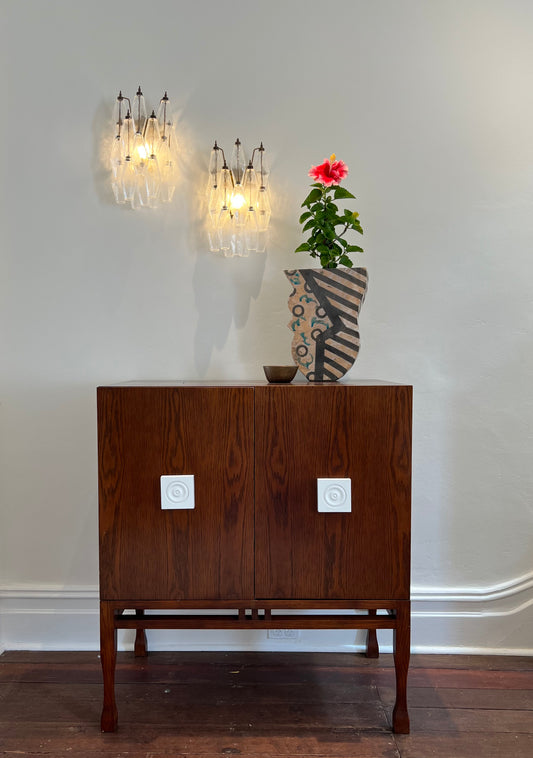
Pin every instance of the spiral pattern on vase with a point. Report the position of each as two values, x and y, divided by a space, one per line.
325 305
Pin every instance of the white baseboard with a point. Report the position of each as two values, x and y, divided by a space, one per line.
477 620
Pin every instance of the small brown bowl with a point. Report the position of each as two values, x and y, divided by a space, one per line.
280 374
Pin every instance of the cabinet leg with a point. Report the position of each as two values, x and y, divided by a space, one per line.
402 651
108 658
372 647
140 638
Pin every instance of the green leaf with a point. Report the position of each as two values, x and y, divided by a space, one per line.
303 248
342 194
354 249
304 216
345 261
323 249
312 197
310 224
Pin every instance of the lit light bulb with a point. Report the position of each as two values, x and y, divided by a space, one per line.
143 156
237 198
238 209
139 152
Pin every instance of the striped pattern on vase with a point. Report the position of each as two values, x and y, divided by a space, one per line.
324 306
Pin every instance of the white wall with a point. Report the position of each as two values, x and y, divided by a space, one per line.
431 106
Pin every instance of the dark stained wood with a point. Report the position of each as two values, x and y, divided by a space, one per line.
472 720
372 647
401 636
466 746
328 605
479 699
140 645
150 553
255 542
108 654
203 705
152 741
169 705
469 665
303 433
322 621
473 679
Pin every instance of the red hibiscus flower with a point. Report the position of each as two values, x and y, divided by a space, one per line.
330 172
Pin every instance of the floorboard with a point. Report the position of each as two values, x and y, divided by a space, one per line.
282 705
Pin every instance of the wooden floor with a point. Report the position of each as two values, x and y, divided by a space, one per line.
265 704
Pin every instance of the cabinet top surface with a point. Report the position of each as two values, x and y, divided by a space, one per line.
252 383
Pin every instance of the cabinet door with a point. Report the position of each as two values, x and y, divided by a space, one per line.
310 431
147 553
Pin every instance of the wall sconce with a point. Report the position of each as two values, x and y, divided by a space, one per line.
144 153
238 203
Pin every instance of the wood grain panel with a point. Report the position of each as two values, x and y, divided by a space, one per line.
310 431
150 554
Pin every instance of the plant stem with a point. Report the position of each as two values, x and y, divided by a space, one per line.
343 231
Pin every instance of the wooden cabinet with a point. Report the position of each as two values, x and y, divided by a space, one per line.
254 543
147 553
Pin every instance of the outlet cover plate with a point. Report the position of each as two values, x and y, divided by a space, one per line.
283 634
334 495
177 492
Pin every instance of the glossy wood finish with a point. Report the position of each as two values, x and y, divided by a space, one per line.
253 620
140 646
306 432
402 636
372 647
148 553
256 452
108 657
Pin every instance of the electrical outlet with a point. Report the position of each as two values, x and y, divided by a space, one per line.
283 634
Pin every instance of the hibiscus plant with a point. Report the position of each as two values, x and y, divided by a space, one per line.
323 217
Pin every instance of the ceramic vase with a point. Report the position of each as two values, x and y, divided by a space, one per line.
324 306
